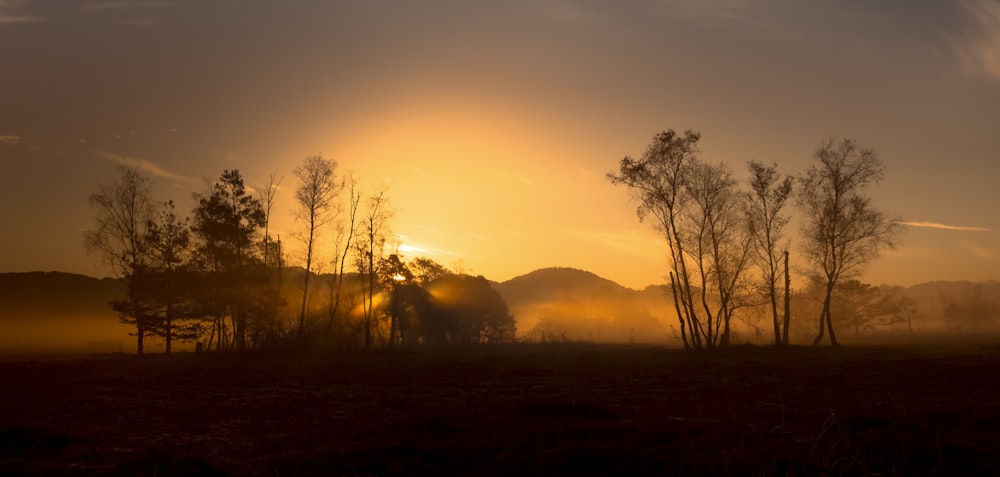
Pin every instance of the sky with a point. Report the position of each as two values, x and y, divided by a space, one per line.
492 124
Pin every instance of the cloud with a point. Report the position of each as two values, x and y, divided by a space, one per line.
144 165
935 225
627 242
122 5
9 139
979 47
8 16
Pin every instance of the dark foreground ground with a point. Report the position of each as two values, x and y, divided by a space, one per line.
575 410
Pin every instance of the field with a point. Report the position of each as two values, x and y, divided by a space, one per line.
522 410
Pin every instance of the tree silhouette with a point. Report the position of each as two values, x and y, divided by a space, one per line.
722 246
769 192
124 212
842 231
315 196
227 223
657 181
347 230
170 245
368 253
697 209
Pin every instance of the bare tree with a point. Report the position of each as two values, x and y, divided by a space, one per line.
346 231
370 250
316 196
658 181
124 210
266 198
721 251
769 192
842 231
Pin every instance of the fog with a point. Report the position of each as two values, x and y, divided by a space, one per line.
91 334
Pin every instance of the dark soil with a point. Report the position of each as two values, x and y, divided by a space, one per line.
524 410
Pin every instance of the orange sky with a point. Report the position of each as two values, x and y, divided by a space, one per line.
493 124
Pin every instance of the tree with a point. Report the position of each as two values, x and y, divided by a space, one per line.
169 242
657 181
369 251
466 310
124 212
227 222
722 246
346 232
856 304
842 231
769 192
315 196
697 208
267 327
266 198
396 278
426 270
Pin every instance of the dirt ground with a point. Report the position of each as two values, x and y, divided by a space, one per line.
521 410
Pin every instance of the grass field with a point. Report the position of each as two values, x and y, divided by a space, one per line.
523 410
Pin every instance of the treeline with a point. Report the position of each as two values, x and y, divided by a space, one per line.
727 242
219 278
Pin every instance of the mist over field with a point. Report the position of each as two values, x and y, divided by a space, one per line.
66 313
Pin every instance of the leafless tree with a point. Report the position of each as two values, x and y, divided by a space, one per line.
658 181
346 231
769 192
266 198
370 250
316 196
124 210
841 231
721 246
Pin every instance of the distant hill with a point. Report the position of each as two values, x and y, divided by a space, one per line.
56 295
60 312
567 304
560 283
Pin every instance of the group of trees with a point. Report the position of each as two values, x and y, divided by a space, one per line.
220 279
719 231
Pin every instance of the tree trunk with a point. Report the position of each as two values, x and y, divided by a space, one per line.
774 315
140 331
677 306
170 331
829 325
824 318
788 302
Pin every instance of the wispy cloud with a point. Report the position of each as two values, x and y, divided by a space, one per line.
935 225
978 48
144 165
9 139
627 242
9 14
127 5
475 235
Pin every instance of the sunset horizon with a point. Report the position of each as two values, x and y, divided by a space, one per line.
492 127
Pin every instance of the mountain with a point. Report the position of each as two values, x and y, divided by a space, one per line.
567 304
560 283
